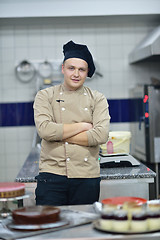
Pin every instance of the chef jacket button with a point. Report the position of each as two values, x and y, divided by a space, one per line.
66 143
85 94
68 159
61 93
85 159
86 109
63 108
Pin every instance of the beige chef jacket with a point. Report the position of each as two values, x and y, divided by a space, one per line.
55 106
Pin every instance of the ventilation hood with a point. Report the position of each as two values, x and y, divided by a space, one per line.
148 49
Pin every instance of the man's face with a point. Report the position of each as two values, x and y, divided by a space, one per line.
75 71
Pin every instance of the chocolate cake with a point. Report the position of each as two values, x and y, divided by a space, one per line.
11 189
36 215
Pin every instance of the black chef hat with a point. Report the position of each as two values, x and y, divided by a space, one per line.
73 50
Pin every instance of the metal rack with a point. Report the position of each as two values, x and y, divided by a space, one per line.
5 211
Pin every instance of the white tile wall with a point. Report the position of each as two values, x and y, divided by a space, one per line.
109 40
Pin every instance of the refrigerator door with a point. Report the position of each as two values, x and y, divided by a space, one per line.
146 130
138 128
154 124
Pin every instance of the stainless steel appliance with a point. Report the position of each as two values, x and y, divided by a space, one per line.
148 48
146 130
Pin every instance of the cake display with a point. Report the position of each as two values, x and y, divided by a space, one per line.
36 215
11 189
129 216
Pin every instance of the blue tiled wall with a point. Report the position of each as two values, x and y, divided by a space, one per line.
16 114
21 114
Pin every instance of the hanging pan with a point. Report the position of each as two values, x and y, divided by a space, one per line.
25 71
45 70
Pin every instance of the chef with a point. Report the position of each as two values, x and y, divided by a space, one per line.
72 121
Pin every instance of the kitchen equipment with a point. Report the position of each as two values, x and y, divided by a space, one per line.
148 49
147 128
35 227
49 73
5 211
25 71
45 70
119 160
71 214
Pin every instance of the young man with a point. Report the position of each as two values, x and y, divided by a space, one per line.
72 121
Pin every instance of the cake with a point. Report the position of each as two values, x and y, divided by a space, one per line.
110 207
36 215
139 222
106 220
132 207
11 189
153 220
120 222
154 205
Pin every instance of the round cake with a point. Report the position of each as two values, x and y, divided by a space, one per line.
11 189
36 215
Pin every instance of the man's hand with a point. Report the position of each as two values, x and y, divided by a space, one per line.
79 139
70 130
87 126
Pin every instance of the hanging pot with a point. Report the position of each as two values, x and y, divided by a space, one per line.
25 71
45 70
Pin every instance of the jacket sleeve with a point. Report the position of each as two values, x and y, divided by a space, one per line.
45 123
101 120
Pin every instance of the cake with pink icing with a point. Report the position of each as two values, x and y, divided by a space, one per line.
11 189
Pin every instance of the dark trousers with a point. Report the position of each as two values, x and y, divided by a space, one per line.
59 190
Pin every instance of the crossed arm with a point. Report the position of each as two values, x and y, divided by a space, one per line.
80 133
76 133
